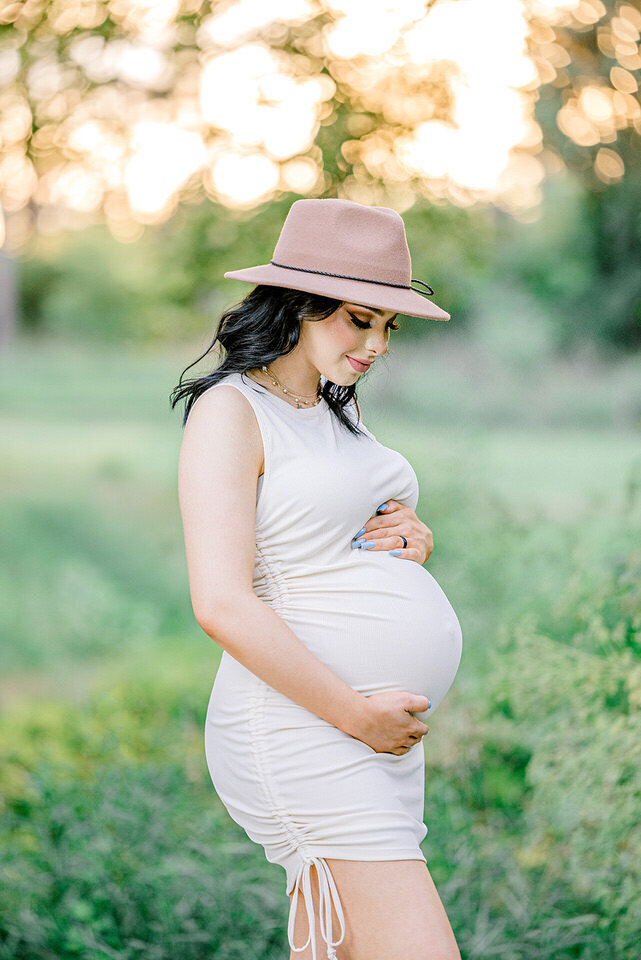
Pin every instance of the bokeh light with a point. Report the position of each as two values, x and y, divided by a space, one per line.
437 100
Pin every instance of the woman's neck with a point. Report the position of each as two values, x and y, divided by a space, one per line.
264 379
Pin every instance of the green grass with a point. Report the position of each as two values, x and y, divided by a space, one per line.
115 843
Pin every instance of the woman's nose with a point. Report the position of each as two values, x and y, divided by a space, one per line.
377 343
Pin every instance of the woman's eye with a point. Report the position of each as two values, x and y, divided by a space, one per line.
365 326
359 323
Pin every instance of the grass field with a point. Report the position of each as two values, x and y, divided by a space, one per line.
115 843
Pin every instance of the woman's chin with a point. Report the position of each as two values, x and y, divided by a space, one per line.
343 379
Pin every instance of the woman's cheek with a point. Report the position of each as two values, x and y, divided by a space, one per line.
346 339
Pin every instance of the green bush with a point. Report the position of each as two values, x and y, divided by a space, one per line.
568 685
113 843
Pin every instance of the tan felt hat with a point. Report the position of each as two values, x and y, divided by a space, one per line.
349 251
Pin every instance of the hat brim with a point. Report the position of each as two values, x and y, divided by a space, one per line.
362 292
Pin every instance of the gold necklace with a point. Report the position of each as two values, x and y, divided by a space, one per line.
277 383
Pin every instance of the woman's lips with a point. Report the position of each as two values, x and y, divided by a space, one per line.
357 365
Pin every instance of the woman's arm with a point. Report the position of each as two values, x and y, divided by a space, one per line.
220 460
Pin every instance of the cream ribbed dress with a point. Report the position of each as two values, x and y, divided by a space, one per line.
298 785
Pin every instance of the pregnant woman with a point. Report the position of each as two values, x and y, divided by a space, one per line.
305 560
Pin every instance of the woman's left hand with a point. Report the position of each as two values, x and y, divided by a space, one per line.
384 530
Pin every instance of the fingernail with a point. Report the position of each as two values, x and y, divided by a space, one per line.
383 506
429 704
362 530
394 553
359 542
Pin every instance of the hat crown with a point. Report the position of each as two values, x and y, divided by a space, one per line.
343 238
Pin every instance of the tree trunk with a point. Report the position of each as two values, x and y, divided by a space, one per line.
8 301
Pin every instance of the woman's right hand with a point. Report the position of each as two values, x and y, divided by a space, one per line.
386 724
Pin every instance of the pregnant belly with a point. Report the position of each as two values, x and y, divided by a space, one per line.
380 623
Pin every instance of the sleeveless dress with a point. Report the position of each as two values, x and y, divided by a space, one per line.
298 785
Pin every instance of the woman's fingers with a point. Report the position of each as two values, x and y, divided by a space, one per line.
368 542
419 545
389 528
393 545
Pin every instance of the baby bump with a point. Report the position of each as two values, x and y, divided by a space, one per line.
380 623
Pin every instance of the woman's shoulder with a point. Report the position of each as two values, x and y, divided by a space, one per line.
223 401
229 385
221 417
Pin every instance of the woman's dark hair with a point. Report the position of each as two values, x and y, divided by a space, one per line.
261 327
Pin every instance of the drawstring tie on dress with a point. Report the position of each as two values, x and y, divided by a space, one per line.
328 894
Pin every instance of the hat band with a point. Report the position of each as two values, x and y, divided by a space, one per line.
345 276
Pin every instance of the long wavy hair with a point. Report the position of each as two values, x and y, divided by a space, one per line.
261 327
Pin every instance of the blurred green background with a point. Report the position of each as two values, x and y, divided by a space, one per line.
522 418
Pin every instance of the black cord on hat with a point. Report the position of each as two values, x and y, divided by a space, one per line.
344 276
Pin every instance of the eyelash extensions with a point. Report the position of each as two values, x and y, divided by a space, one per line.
392 325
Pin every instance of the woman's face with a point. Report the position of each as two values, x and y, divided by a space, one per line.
351 333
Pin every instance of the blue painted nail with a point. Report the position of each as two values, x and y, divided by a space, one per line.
394 553
383 506
359 542
356 546
368 545
429 704
362 530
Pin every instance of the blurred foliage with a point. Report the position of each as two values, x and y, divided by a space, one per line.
78 584
566 687
169 284
580 261
112 841
589 63
356 107
569 278
68 107
77 78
